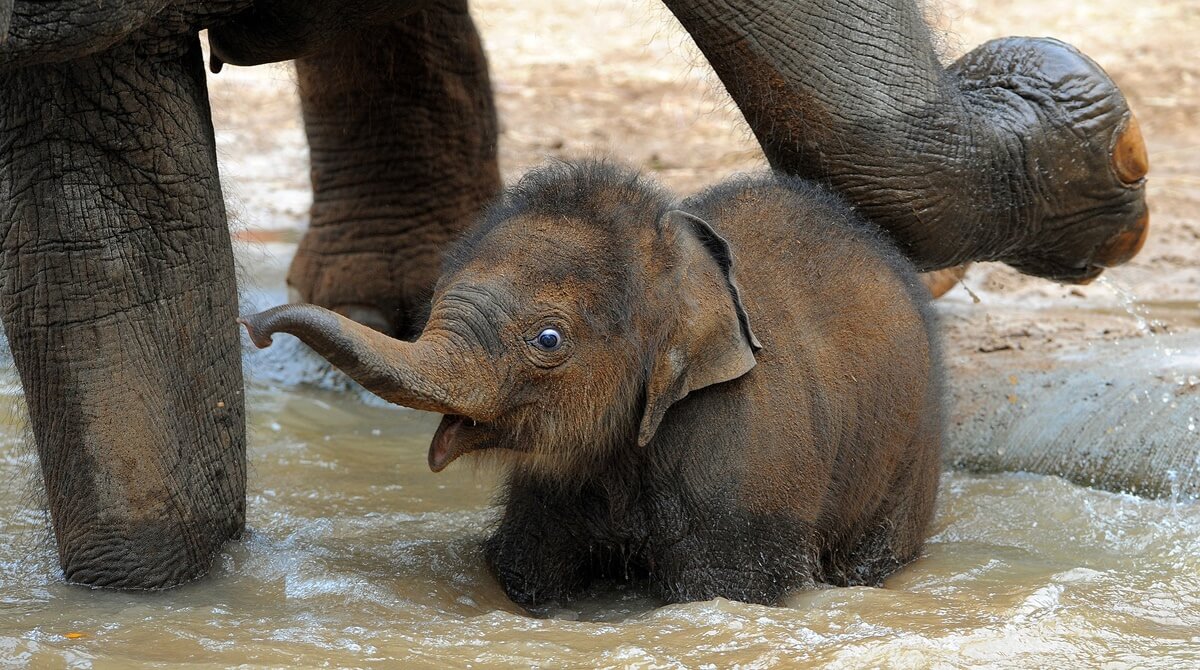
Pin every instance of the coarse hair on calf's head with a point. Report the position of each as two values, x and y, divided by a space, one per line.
608 196
604 217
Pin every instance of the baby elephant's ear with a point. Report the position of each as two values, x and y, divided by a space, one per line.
711 340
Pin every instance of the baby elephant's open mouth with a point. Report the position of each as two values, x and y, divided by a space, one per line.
455 436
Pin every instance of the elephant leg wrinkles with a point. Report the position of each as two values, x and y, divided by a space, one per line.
119 301
402 131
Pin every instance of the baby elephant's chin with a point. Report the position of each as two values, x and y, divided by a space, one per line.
455 436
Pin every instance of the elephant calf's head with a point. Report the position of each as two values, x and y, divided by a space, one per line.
565 324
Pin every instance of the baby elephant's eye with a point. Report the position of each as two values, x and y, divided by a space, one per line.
548 340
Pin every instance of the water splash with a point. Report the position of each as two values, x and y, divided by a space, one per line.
1130 303
1167 367
1149 326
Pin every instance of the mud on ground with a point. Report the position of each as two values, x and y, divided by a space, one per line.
620 77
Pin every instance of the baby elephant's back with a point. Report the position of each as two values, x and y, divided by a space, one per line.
847 391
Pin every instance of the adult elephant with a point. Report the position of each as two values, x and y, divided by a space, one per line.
118 287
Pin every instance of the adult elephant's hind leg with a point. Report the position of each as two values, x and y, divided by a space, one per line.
119 302
402 132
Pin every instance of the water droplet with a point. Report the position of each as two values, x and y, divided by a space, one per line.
1140 313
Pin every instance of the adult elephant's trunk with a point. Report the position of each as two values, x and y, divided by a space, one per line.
1023 151
427 374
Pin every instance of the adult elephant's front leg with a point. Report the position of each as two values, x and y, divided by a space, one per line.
402 132
119 302
1024 151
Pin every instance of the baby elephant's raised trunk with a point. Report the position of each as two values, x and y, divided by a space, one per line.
424 374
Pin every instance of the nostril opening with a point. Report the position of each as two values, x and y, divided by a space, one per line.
1125 245
1129 158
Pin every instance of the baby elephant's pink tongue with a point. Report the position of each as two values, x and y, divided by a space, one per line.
446 444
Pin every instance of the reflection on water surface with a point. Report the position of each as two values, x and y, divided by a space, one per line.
359 556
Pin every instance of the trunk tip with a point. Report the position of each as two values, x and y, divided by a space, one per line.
257 336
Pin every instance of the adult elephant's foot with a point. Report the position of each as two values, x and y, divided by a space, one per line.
119 301
402 132
385 287
1024 151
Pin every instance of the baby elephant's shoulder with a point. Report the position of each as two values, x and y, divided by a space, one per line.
774 214
795 241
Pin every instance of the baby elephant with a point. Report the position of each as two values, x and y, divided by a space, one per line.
735 396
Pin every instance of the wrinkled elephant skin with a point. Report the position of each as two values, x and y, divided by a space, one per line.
6 15
430 174
1018 152
118 299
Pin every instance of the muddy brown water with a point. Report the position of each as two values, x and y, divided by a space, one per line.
357 555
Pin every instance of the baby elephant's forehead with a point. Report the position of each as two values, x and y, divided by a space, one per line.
552 249
544 262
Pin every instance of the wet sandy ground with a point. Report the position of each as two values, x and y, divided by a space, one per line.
619 77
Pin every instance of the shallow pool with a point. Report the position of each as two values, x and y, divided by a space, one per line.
357 555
